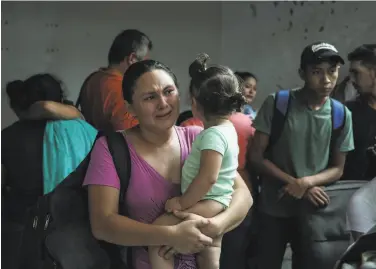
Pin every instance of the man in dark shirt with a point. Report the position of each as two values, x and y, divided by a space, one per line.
361 163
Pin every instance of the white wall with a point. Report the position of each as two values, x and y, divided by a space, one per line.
259 37
253 36
82 32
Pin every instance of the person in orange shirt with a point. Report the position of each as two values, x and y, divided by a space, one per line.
101 97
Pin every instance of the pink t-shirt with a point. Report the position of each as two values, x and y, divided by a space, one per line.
147 192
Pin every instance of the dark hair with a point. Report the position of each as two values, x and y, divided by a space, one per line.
127 42
184 116
216 88
365 53
245 75
136 70
40 87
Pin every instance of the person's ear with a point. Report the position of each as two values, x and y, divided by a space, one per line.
131 59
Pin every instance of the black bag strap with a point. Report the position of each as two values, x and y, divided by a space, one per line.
119 150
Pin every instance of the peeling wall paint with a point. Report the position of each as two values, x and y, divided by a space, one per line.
72 39
266 38
270 44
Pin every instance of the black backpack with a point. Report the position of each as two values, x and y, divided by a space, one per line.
57 232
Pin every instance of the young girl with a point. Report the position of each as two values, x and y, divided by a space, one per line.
248 86
208 173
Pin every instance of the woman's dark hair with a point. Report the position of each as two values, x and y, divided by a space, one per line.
136 70
244 76
216 88
40 87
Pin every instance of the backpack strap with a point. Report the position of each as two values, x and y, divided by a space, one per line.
121 157
122 160
338 116
280 111
281 107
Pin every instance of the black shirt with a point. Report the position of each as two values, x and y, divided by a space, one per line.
22 159
361 162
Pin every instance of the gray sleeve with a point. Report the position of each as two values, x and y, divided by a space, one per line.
263 120
361 213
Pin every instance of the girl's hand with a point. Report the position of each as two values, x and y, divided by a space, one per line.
173 204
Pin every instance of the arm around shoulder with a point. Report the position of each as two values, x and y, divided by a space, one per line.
51 110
